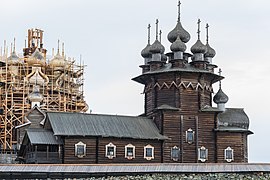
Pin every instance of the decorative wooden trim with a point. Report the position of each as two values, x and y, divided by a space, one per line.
186 85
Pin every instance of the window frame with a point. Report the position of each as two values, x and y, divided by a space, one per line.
192 132
129 157
110 145
200 158
225 154
145 152
84 149
173 149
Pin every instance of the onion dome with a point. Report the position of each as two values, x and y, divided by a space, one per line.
145 52
157 47
36 58
210 52
58 61
198 47
35 96
220 97
13 58
178 45
178 30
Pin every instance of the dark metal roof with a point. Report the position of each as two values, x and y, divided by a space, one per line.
137 168
168 68
233 117
79 124
42 136
233 129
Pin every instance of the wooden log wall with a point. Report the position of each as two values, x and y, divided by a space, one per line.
237 141
96 148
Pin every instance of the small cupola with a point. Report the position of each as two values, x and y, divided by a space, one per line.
178 48
13 58
35 97
220 98
156 48
178 30
198 49
145 52
210 52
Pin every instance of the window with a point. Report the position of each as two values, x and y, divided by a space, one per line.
110 151
80 149
189 136
148 152
202 154
228 154
129 151
175 153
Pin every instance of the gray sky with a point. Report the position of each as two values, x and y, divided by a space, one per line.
111 34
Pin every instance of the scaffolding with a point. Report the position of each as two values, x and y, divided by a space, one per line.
60 81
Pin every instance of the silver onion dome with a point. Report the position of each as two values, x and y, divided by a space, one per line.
178 45
210 52
157 47
178 31
198 47
145 52
220 97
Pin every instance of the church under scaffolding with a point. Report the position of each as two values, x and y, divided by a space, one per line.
33 79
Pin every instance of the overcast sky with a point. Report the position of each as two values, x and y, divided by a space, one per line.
111 34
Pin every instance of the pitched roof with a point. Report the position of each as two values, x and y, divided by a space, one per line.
42 136
79 124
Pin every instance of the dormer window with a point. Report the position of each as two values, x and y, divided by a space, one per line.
148 152
110 151
189 136
202 154
228 154
175 153
80 149
129 151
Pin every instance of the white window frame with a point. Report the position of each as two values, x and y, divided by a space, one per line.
128 156
76 149
147 157
225 154
172 149
202 159
110 156
189 131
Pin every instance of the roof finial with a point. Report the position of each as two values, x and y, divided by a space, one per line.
157 29
58 51
179 12
149 26
199 22
11 45
14 45
63 49
207 37
219 72
160 32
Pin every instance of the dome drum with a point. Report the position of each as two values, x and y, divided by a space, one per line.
178 55
156 57
198 57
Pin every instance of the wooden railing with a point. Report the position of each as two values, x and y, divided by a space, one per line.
43 157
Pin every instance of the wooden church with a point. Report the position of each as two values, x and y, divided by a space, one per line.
179 123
